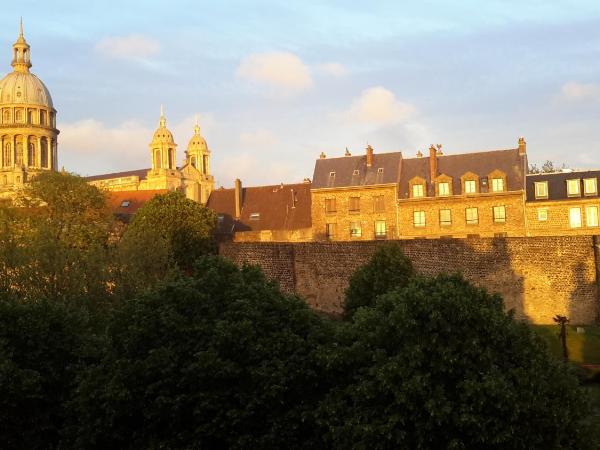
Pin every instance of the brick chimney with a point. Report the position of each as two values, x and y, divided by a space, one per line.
369 156
432 165
522 146
238 198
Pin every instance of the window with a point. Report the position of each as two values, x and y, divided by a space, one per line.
445 217
419 218
19 115
590 186
220 219
380 231
541 189
591 216
542 214
499 214
255 216
472 216
497 184
355 229
125 204
417 190
330 205
379 178
356 172
443 189
378 203
331 180
573 188
470 187
575 217
330 230
354 204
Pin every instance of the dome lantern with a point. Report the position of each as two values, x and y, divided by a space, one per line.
21 61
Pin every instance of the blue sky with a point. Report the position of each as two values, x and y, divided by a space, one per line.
277 83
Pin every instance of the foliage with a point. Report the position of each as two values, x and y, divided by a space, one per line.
547 167
185 226
584 348
42 346
219 360
388 268
438 364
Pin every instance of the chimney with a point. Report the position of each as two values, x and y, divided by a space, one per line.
432 165
322 155
369 156
522 146
347 152
419 154
238 198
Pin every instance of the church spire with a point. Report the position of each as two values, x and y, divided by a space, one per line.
163 120
197 126
21 62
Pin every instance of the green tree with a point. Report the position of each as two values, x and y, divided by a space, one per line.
184 226
221 359
387 269
439 364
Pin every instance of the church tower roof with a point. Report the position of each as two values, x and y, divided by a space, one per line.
162 135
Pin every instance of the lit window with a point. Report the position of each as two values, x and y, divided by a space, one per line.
590 186
379 203
573 188
380 230
125 204
330 205
330 230
472 216
255 216
575 217
470 187
443 189
445 217
355 229
541 189
499 214
354 204
497 184
417 190
542 214
419 218
331 180
591 216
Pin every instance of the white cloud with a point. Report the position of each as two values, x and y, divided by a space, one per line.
281 70
379 106
334 69
573 91
258 138
134 46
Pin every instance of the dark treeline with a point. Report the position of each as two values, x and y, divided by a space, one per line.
143 338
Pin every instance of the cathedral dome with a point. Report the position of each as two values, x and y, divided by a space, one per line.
24 88
197 142
162 135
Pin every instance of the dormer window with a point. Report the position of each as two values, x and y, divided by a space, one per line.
444 189
418 190
255 216
379 178
590 186
125 204
331 180
355 173
470 187
541 189
497 185
573 188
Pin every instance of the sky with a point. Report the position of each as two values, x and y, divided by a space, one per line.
275 83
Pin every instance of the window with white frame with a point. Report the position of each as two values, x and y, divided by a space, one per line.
355 229
542 214
590 186
380 229
591 216
575 217
419 218
470 187
541 189
330 230
445 217
499 214
573 188
472 216
497 184
418 190
443 189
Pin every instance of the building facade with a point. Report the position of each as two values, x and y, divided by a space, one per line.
28 133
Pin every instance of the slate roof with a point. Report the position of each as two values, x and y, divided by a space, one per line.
130 173
133 200
557 184
345 170
280 207
455 166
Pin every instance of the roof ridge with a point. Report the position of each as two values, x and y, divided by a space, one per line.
359 156
424 157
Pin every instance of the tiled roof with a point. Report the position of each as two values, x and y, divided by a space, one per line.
126 203
455 166
353 170
557 183
279 207
130 173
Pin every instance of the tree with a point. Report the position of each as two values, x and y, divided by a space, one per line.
547 167
439 364
221 359
388 268
186 227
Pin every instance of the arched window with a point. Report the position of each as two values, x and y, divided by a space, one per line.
19 157
6 116
42 117
19 115
31 160
44 153
193 161
7 155
171 158
157 161
30 116
205 164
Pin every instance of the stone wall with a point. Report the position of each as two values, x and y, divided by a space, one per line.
538 277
